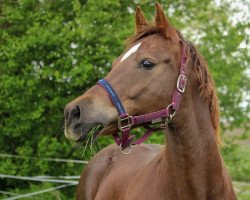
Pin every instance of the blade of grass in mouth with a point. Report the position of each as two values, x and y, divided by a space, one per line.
90 139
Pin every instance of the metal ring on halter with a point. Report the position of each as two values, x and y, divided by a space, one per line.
169 118
171 115
129 148
124 151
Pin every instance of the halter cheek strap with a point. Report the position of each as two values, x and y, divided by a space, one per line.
125 121
125 140
113 96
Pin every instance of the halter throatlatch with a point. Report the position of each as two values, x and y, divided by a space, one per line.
126 122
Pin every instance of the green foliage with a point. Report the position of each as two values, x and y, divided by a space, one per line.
52 51
240 155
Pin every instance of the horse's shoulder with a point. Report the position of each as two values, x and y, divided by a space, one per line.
107 161
94 171
111 154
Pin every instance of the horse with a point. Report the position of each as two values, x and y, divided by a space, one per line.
159 68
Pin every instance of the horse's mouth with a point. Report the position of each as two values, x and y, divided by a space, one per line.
99 130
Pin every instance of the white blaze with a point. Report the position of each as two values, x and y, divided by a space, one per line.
131 51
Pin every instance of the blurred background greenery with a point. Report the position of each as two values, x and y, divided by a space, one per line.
51 51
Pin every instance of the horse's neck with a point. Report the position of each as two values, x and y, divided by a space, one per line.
193 164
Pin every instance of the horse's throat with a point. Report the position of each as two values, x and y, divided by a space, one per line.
193 162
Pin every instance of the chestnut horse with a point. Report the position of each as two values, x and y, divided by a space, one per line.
144 77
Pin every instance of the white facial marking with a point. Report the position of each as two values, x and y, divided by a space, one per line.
131 51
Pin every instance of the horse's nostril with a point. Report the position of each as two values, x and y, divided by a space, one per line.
72 114
75 113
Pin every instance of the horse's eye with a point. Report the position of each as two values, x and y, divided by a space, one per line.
146 64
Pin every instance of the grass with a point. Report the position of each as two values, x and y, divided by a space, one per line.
237 159
90 139
242 190
89 146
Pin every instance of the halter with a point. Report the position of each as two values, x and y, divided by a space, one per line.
126 122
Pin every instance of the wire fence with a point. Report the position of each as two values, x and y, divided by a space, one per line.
46 159
28 178
41 191
50 179
64 181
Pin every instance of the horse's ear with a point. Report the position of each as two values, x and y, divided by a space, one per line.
161 22
140 20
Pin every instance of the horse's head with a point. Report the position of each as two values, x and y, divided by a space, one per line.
144 78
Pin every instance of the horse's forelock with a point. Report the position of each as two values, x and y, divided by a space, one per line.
146 31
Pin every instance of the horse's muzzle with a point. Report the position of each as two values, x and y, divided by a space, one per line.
75 127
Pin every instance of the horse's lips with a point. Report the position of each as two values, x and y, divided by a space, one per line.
107 130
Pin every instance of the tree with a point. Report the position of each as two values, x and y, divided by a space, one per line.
52 51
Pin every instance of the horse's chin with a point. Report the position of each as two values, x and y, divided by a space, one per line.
74 137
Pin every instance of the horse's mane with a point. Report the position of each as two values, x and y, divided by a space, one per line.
206 83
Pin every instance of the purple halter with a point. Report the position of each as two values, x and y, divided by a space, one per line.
126 122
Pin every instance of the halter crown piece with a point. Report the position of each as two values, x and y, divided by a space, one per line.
126 122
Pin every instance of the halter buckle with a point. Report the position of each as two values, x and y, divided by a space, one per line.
124 119
181 83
